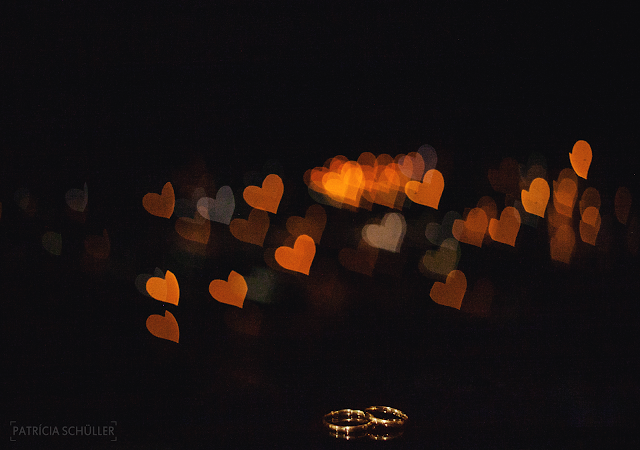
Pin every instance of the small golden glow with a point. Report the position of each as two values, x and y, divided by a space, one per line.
160 205
590 225
231 292
267 197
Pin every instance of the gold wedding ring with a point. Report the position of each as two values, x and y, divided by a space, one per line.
347 423
380 423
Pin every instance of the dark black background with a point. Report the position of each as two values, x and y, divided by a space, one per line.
127 98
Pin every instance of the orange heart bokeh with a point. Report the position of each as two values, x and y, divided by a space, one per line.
472 229
232 292
312 224
452 292
580 158
267 197
164 289
536 198
164 327
298 258
428 192
197 229
506 229
252 230
160 205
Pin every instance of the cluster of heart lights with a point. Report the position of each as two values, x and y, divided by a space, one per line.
388 181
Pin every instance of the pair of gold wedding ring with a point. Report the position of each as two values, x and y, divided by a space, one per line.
380 423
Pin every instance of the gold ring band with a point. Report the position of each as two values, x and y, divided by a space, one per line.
347 423
386 416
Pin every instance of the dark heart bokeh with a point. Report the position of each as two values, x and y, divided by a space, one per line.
126 100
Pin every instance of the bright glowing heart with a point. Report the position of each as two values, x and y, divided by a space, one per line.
580 158
506 229
218 210
231 292
312 224
164 327
536 198
298 258
267 197
388 235
428 192
164 289
77 199
345 186
252 230
160 205
452 292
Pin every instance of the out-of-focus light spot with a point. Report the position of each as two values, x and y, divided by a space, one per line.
478 301
98 246
231 292
429 156
252 230
428 192
197 229
590 225
312 224
452 292
556 220
565 192
505 179
160 205
633 236
298 258
25 201
346 186
580 158
52 242
387 187
77 199
248 321
165 289
590 197
361 260
388 235
260 285
412 165
436 233
141 280
533 172
562 244
488 205
219 209
536 198
472 229
164 327
267 197
442 261
506 229
622 204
